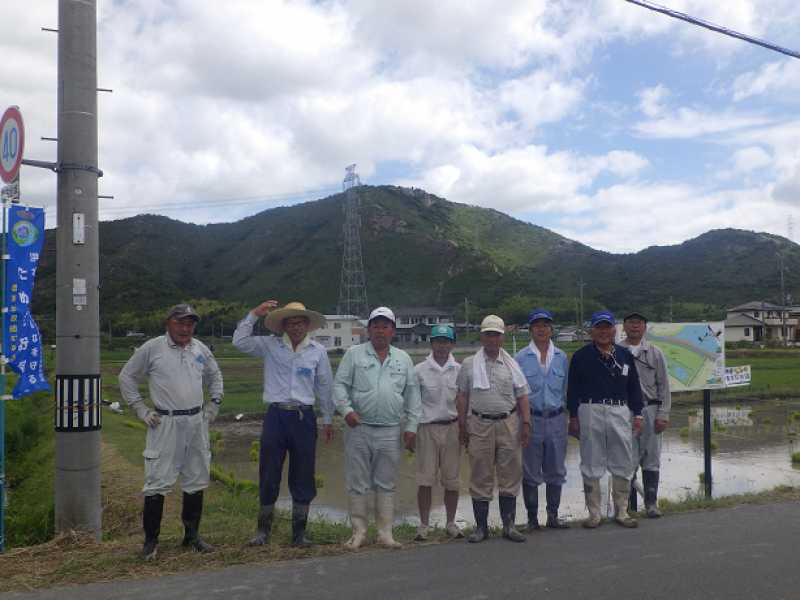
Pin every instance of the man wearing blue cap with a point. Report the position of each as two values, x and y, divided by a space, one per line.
545 368
438 448
602 393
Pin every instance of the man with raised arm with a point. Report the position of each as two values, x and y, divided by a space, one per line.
297 373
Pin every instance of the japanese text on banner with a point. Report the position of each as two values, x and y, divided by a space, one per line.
22 342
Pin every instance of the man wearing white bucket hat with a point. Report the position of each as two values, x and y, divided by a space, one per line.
376 389
495 424
297 372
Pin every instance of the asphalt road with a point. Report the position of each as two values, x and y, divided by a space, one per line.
748 552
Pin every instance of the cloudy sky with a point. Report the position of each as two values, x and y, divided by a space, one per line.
606 122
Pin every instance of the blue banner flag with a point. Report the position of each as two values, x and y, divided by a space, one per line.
22 342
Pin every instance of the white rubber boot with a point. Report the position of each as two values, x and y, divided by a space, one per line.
591 488
358 517
384 518
621 492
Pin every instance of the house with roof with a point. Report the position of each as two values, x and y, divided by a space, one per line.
340 331
759 321
414 323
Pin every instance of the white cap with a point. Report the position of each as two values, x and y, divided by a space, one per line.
493 323
382 311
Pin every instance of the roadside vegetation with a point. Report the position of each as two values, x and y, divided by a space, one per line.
34 559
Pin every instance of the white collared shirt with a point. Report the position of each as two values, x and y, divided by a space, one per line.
300 375
437 386
548 359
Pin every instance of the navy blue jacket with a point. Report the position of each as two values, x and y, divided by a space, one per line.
592 378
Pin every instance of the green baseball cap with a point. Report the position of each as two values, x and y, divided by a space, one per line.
443 331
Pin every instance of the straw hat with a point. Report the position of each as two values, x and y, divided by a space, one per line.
274 320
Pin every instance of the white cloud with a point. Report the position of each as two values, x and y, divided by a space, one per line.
771 78
651 100
691 123
751 158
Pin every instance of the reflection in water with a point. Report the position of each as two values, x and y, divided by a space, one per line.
755 444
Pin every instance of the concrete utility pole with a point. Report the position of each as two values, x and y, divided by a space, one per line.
77 422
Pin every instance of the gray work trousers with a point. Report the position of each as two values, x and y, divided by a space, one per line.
371 457
543 459
647 447
606 440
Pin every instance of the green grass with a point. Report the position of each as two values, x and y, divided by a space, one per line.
796 458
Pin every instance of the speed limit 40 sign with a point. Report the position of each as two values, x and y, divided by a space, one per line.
12 143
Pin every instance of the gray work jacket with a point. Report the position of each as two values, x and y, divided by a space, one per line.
652 368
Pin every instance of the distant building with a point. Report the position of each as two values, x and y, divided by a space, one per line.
761 321
340 331
414 323
567 334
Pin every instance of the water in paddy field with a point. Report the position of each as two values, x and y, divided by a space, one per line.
755 443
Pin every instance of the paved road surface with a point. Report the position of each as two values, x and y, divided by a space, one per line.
748 552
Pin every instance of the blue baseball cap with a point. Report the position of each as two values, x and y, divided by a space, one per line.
602 316
539 313
443 331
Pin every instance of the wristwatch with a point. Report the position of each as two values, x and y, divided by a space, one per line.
217 401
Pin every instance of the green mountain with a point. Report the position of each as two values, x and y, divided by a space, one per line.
419 249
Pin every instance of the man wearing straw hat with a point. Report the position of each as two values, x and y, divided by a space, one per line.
494 423
376 390
176 367
297 372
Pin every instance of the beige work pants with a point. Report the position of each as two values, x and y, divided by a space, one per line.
494 450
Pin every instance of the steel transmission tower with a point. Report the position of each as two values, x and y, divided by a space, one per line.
353 287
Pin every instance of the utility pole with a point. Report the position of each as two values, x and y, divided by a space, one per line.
77 423
581 285
783 300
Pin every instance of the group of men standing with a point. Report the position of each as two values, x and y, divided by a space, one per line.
508 412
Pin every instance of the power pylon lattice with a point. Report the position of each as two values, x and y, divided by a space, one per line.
353 287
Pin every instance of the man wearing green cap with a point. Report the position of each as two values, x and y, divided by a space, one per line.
438 447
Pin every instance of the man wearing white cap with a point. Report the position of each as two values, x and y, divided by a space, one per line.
296 373
438 448
652 368
176 367
375 389
495 424
602 393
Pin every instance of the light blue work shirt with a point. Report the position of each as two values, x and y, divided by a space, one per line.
289 376
548 388
381 393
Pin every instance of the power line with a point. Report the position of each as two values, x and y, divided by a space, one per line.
211 202
718 28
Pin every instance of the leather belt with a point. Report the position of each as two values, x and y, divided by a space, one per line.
548 413
291 406
441 422
178 413
495 416
652 402
609 401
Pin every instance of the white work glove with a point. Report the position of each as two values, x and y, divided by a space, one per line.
210 411
151 418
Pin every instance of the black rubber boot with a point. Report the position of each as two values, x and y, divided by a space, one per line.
508 513
553 493
151 522
530 494
299 520
265 516
650 483
190 515
481 532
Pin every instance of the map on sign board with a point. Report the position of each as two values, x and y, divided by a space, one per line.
695 353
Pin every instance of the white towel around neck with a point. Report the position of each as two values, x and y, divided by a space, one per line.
480 379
